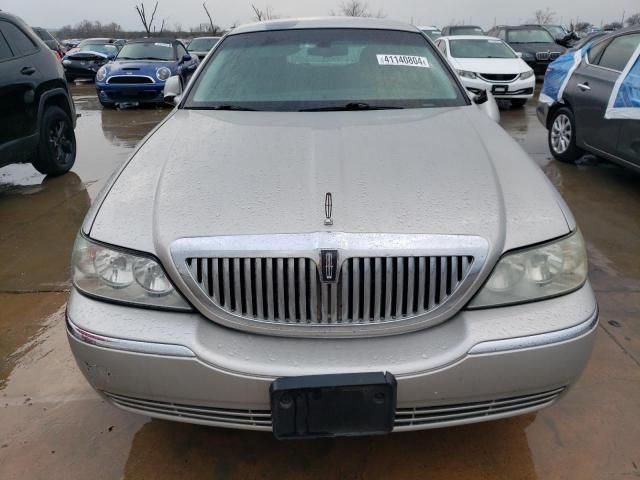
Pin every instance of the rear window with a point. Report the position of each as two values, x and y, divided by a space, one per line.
467 30
291 70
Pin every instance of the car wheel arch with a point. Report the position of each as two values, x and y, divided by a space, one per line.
58 97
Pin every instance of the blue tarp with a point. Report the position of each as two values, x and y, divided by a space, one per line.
625 98
558 74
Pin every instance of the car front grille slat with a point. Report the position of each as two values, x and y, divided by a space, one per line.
130 80
368 289
499 77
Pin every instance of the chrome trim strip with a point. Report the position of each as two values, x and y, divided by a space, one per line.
164 349
533 341
310 245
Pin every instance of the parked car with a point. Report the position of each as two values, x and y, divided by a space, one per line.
433 33
561 35
88 58
140 70
535 45
579 123
262 262
200 46
589 38
91 40
37 115
452 30
51 42
487 63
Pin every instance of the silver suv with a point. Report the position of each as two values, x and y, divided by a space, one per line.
350 247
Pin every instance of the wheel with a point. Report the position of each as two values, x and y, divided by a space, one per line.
57 146
518 102
562 136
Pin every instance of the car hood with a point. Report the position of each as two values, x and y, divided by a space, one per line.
85 55
537 47
438 171
139 66
491 65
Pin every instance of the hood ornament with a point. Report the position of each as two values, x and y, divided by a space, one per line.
328 209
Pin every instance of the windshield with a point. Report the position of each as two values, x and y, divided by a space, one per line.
203 44
292 70
534 35
556 30
433 34
147 51
480 49
107 49
467 31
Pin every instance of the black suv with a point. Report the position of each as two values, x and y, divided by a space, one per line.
535 45
37 115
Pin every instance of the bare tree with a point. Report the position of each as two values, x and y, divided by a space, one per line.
357 8
206 10
266 14
634 19
545 17
582 26
147 22
613 26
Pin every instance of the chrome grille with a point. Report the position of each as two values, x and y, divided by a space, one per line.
370 290
545 56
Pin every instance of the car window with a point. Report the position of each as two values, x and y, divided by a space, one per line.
147 51
43 34
619 51
467 48
442 46
5 50
291 70
467 31
202 44
181 51
533 35
502 34
106 48
18 40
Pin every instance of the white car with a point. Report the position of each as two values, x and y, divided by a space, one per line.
433 33
488 63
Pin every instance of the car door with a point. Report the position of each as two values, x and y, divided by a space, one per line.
590 88
18 103
189 66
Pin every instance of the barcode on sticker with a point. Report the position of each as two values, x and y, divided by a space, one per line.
403 60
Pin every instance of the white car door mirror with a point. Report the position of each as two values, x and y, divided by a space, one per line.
173 90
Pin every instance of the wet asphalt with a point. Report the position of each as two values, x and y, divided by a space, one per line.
52 424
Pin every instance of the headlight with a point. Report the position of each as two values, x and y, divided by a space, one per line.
163 73
527 74
547 271
101 74
66 62
466 74
121 276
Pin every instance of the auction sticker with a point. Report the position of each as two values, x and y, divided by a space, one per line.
403 60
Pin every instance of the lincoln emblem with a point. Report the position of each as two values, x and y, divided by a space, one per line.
328 208
328 266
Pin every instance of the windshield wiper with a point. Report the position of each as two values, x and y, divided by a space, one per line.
352 106
227 106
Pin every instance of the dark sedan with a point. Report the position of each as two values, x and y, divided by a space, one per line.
200 46
582 120
535 45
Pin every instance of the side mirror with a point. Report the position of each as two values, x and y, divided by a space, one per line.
173 90
485 102
185 58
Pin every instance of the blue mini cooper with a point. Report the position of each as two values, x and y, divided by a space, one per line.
139 72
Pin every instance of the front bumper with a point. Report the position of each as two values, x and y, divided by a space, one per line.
479 365
131 93
515 89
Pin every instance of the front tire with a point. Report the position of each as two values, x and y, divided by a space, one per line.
57 147
562 136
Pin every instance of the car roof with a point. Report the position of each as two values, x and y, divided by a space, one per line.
463 26
429 27
212 36
524 27
325 22
470 37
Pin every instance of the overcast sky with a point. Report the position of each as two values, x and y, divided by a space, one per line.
55 13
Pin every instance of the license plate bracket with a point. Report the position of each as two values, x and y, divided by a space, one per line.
500 89
334 405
